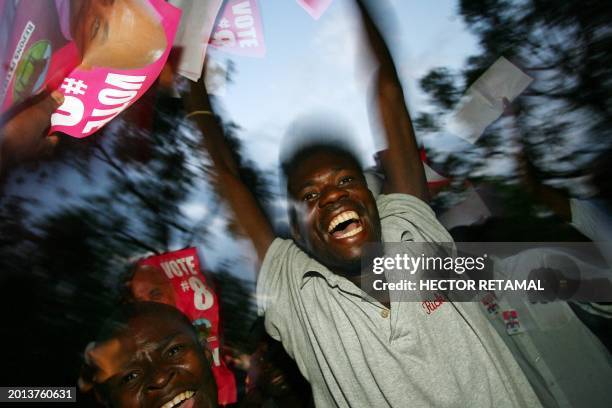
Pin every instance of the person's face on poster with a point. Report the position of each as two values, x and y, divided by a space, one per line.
121 34
161 364
150 285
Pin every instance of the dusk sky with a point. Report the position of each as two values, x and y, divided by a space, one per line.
321 67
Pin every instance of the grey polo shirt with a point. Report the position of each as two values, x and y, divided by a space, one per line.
357 353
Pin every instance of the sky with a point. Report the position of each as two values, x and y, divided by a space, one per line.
321 67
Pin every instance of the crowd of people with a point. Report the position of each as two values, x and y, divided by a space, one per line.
321 340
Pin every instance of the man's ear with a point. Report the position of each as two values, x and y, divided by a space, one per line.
88 375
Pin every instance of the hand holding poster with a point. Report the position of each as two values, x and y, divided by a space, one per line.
102 56
239 30
174 278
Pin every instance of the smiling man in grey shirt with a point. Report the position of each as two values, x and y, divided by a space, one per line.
355 350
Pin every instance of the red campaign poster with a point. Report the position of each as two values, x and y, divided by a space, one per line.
190 293
315 8
239 30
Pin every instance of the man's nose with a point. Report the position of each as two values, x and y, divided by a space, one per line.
330 195
159 378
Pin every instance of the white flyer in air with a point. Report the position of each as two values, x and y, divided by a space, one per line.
483 102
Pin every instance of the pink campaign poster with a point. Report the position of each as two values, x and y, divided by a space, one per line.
315 8
102 57
238 29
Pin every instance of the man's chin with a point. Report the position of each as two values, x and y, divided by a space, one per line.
349 253
344 260
342 256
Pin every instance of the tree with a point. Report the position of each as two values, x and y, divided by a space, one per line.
563 46
61 267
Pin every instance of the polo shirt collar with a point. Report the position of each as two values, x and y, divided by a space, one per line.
316 270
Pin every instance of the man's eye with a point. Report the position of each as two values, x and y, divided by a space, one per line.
309 196
155 294
174 350
346 179
128 378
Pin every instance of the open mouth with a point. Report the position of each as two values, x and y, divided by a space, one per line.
182 400
344 225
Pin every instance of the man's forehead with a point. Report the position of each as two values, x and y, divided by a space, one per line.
137 345
319 165
114 355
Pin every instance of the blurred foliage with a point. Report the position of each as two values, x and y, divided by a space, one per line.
236 301
564 119
440 85
558 125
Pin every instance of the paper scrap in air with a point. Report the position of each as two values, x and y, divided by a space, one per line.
471 210
194 33
483 102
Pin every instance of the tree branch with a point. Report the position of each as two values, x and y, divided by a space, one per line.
129 184
130 238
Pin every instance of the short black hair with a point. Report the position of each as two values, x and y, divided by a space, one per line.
314 133
292 160
119 320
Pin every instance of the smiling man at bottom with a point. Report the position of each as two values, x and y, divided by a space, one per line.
151 357
357 351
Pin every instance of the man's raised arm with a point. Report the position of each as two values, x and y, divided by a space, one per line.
243 204
402 163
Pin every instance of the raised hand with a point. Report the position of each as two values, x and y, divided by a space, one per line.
24 136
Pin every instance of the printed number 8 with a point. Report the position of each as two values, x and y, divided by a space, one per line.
202 297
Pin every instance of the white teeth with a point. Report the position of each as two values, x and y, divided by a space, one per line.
344 216
352 232
178 399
